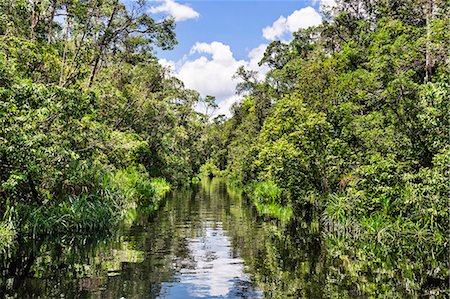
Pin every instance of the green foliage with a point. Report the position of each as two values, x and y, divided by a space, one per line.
78 214
266 192
352 120
7 235
88 116
209 169
274 210
98 202
136 186
268 200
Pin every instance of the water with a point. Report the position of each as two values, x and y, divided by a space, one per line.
192 248
209 242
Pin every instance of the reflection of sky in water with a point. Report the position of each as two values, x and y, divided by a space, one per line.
211 271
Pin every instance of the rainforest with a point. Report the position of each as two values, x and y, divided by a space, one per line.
329 177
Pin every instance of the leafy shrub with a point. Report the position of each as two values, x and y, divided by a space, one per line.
7 234
209 169
266 192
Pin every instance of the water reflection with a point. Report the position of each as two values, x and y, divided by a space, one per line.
191 248
212 271
213 267
208 242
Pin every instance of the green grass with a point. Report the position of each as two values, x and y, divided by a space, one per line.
266 192
78 214
95 210
7 235
268 200
284 213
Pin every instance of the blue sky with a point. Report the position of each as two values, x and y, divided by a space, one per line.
215 37
235 23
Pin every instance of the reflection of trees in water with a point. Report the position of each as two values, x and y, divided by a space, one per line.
79 266
153 250
284 260
302 259
36 267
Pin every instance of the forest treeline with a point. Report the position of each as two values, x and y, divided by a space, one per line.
352 121
91 123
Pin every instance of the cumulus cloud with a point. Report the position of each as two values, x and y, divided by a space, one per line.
212 72
255 55
167 63
178 11
299 19
278 29
225 105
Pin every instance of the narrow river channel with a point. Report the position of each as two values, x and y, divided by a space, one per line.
204 242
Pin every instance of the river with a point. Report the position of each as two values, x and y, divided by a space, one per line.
204 242
208 241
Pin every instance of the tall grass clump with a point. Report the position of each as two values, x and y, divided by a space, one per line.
7 235
96 199
133 185
268 200
78 214
266 192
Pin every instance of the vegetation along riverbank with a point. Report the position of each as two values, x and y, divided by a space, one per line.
350 124
91 123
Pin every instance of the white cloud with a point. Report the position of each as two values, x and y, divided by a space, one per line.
218 274
178 11
212 72
167 63
278 29
225 105
211 75
219 51
299 19
303 18
255 55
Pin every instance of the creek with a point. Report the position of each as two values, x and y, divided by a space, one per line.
208 241
204 242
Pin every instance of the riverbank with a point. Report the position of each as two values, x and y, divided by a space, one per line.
372 253
99 206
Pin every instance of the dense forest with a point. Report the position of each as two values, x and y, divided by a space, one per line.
351 123
91 123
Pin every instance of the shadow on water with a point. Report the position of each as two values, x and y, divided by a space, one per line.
204 242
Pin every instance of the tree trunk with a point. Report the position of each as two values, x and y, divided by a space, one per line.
50 22
66 41
102 44
428 55
34 19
